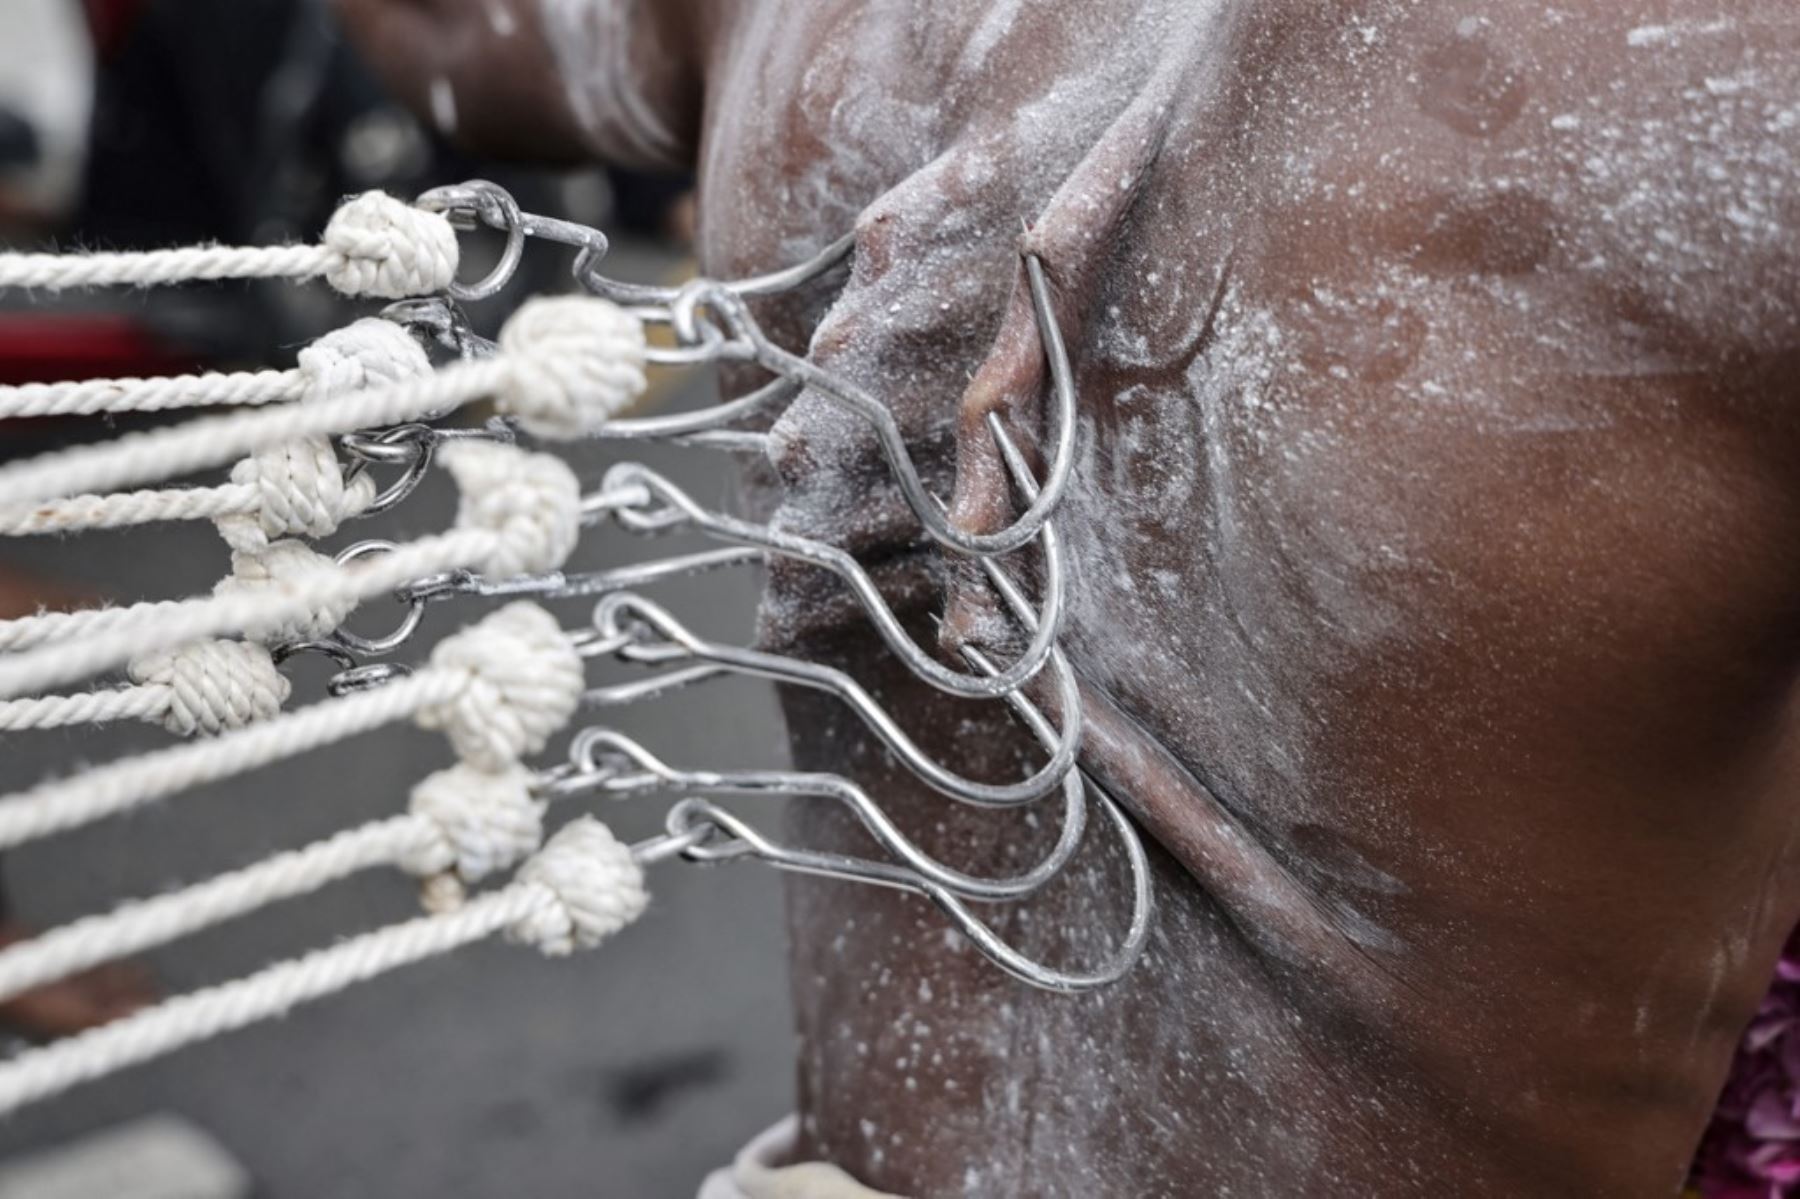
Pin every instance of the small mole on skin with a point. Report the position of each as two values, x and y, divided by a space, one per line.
1469 85
1368 339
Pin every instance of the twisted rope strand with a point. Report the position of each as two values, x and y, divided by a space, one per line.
27 632
212 441
578 890
374 245
92 396
132 782
269 993
147 268
567 364
84 643
135 927
122 508
146 702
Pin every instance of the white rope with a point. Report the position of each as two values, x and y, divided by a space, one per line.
289 489
204 686
519 513
374 245
26 632
121 508
89 707
148 923
463 820
499 690
578 890
566 365
297 488
91 396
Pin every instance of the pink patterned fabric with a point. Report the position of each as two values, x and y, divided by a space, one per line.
1752 1148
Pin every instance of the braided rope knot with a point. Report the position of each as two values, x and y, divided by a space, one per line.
368 353
521 680
387 248
287 566
482 821
577 361
593 888
214 685
301 491
531 502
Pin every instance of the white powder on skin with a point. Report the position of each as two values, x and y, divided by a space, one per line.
1432 273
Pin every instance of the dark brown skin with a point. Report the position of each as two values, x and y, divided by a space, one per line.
1435 585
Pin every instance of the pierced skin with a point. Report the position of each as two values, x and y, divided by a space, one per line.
1433 588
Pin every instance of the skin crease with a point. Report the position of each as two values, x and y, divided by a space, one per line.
1432 593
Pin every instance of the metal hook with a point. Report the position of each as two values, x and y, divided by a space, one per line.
893 445
415 445
677 643
478 201
746 841
365 678
679 508
658 299
350 677
704 343
558 584
692 428
588 773
441 321
390 446
409 624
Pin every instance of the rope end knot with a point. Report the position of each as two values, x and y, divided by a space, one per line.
592 887
387 248
481 822
530 502
214 686
521 680
577 362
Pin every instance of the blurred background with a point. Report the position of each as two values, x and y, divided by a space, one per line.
630 1071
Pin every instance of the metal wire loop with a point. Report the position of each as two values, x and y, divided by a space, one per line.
743 839
478 202
676 508
606 761
673 642
409 623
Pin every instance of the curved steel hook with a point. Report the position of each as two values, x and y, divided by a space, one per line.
691 427
615 612
677 503
588 773
465 204
409 623
880 418
658 300
746 841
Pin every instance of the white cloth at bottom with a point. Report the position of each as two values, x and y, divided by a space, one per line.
758 1174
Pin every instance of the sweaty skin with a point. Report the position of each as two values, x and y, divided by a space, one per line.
1433 549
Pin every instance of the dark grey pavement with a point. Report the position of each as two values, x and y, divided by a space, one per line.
625 1072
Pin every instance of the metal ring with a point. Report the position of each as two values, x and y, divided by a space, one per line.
670 845
495 207
412 444
330 649
388 446
365 678
409 624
